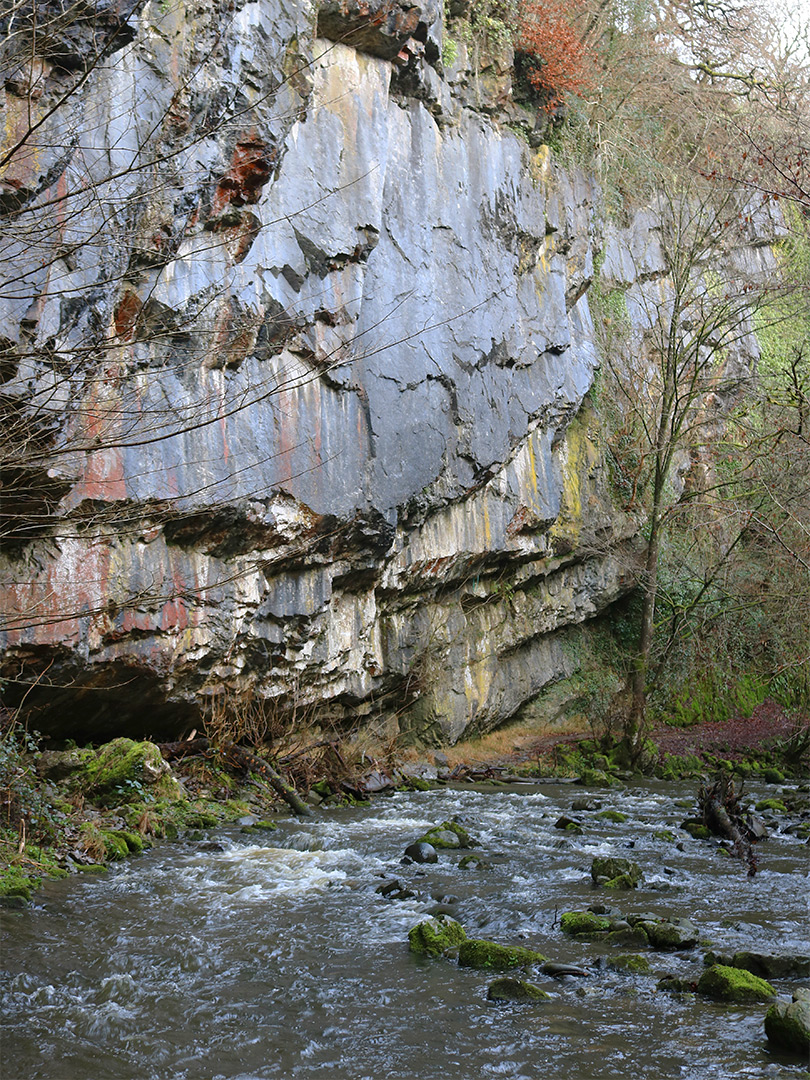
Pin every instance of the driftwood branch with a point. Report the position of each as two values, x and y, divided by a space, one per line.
719 804
243 759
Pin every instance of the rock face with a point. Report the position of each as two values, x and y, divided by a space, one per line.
296 349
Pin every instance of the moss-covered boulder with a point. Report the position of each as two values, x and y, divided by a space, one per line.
490 956
433 937
615 873
612 815
787 1025
16 887
122 770
733 984
631 937
776 806
516 990
447 835
629 964
583 922
773 776
671 933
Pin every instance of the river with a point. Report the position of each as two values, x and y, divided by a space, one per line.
244 957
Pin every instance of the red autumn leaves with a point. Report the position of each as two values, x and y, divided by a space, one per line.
558 61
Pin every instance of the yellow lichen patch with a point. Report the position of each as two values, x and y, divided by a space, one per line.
578 455
540 165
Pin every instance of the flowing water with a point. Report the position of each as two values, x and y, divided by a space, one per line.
234 959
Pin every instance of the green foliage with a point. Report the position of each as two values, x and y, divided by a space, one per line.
714 696
23 805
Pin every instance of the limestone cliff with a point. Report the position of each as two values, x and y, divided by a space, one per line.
296 342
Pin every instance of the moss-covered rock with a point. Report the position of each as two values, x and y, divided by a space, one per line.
775 805
516 990
788 1025
115 844
634 937
16 885
612 815
597 778
696 829
773 776
615 873
670 933
583 922
490 956
733 984
447 835
674 985
629 964
435 936
121 770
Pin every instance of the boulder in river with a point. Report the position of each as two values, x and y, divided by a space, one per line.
421 852
787 1025
671 933
515 990
615 873
489 955
733 984
576 923
433 937
773 967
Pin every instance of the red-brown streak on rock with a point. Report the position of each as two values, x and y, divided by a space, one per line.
54 609
104 478
126 315
174 615
251 165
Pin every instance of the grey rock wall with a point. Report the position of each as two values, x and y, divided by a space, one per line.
305 338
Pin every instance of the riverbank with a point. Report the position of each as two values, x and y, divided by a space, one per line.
77 810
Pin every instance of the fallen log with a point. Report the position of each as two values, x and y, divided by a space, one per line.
719 804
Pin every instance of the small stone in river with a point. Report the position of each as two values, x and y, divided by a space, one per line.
516 990
564 821
559 971
473 862
395 890
421 852
586 804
